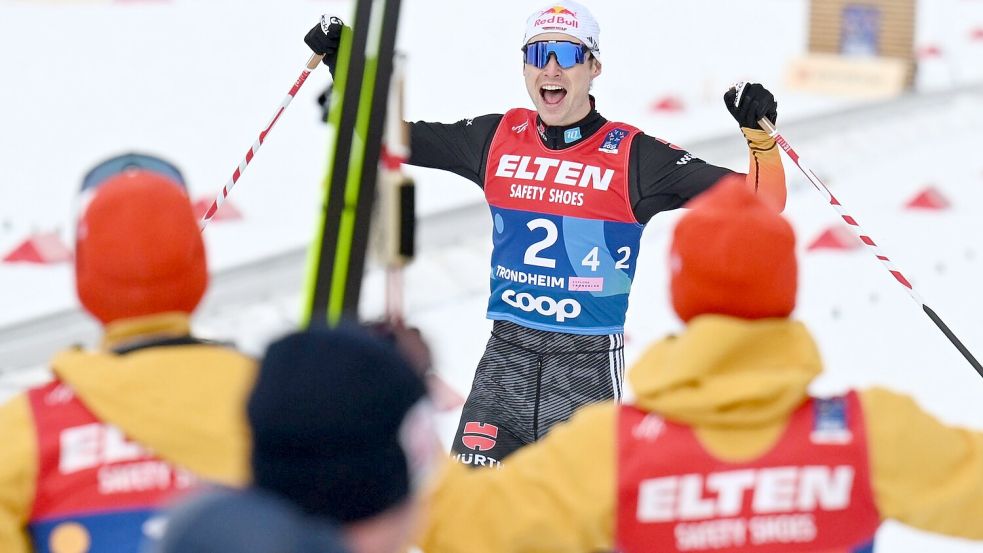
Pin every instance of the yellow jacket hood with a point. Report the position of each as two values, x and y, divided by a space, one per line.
726 372
186 402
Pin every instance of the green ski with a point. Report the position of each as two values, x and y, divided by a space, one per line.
359 100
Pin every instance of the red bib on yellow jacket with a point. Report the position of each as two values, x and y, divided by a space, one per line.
810 493
96 490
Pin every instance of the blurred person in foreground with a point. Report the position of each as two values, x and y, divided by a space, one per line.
342 435
569 193
722 447
88 460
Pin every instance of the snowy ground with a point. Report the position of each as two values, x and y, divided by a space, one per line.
195 82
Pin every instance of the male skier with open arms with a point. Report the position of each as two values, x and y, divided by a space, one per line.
569 193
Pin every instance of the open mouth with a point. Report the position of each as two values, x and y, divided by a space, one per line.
552 94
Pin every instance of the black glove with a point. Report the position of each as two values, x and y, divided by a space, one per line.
755 102
324 38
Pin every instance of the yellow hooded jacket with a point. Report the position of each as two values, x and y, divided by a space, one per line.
735 382
186 403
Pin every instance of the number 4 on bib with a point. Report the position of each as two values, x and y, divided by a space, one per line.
591 260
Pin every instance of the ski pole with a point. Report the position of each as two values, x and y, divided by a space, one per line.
311 65
820 186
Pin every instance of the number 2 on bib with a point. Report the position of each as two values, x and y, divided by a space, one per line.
532 252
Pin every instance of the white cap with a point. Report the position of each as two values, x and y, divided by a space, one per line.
569 18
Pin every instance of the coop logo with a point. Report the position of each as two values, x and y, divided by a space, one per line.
544 305
479 436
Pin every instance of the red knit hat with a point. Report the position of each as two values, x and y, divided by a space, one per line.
733 255
138 249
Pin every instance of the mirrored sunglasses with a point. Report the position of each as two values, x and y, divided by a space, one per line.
567 54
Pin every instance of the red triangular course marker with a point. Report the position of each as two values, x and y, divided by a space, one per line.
834 238
976 34
668 103
44 249
930 51
929 198
227 212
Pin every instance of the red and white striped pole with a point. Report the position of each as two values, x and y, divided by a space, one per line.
311 65
819 185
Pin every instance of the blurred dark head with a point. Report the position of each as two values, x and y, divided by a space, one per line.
328 415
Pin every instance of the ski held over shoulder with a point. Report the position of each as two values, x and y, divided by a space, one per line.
356 118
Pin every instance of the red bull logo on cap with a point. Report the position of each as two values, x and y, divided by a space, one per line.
557 17
559 10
